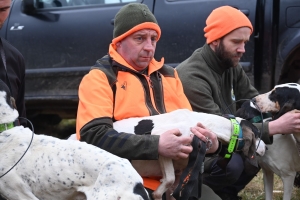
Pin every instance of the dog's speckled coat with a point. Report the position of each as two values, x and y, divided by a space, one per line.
55 169
182 119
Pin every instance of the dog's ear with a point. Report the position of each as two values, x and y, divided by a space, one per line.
254 129
288 106
250 133
246 111
13 102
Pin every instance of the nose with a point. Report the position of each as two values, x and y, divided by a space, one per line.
241 48
149 45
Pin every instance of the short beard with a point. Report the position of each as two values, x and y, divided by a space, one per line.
224 55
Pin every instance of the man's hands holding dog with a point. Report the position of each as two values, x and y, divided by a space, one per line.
175 147
172 146
201 132
286 124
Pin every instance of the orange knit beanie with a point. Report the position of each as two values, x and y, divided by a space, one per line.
222 21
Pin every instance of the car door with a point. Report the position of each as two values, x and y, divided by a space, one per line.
183 32
63 33
60 41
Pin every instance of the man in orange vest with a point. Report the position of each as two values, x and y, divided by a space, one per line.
129 82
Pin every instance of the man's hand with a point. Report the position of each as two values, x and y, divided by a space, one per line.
286 124
172 146
204 134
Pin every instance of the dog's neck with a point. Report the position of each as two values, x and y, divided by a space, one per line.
7 113
4 127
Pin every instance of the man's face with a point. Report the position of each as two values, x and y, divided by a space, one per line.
138 49
231 47
4 11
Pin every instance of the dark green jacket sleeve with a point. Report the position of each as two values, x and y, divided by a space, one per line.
100 133
265 132
213 88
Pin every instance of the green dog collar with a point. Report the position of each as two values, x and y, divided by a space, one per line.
236 136
258 119
4 127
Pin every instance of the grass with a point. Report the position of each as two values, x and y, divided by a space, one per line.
255 189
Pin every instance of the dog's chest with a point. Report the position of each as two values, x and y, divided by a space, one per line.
51 164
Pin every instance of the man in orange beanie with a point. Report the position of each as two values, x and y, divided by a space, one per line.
213 80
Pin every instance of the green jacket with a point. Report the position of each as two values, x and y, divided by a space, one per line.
213 88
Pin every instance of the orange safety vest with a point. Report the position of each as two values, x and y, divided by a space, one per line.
121 95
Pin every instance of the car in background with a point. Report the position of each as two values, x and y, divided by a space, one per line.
61 39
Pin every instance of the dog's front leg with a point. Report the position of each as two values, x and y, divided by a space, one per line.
288 182
268 177
167 169
17 193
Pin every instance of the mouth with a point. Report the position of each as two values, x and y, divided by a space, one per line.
145 59
237 58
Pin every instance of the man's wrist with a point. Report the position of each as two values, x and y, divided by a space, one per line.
273 128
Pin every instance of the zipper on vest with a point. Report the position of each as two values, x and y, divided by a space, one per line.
149 80
159 95
146 84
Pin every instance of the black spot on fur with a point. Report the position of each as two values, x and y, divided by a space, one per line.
144 127
287 98
246 111
140 190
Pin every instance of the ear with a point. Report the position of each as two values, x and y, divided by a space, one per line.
213 45
288 106
13 102
118 44
254 129
246 113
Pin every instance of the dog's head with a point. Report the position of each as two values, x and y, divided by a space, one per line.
251 112
281 99
247 111
8 113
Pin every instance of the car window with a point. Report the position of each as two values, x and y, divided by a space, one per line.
65 3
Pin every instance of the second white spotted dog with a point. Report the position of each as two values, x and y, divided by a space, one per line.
54 169
282 157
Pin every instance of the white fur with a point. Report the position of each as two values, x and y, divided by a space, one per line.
265 104
7 113
282 157
182 119
289 85
60 169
